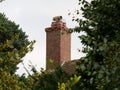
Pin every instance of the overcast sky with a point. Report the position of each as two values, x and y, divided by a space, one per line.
34 16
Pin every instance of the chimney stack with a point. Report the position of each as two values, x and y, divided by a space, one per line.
58 43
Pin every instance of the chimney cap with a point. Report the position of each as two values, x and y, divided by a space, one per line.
57 18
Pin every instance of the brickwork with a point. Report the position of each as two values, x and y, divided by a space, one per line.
70 66
58 44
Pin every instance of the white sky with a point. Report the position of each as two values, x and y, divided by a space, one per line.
34 16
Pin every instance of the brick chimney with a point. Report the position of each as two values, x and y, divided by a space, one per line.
58 43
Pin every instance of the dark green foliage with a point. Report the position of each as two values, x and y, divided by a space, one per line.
8 30
49 80
13 44
69 84
1 0
100 68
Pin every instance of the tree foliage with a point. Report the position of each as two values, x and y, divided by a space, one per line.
1 0
13 44
49 80
69 84
8 62
8 30
11 54
100 68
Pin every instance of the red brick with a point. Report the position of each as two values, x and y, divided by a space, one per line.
58 44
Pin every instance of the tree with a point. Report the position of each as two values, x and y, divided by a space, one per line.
14 41
100 68
48 80
14 45
9 29
9 79
1 0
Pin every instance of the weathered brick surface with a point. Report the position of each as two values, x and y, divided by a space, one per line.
58 44
70 66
